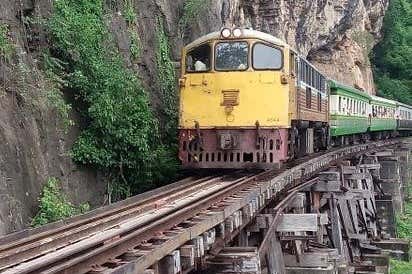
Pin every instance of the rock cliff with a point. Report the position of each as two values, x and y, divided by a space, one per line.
335 35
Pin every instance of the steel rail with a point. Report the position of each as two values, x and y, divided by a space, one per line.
125 235
42 243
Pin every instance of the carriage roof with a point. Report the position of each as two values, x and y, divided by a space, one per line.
342 89
383 101
399 104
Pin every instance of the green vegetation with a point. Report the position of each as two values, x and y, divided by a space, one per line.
404 230
135 49
400 267
121 137
131 20
404 222
166 79
53 69
192 9
54 206
6 48
129 14
393 56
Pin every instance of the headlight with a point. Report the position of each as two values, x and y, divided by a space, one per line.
226 33
237 32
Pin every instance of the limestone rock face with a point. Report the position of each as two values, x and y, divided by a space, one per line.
336 36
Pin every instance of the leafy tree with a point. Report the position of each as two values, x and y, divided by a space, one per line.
393 56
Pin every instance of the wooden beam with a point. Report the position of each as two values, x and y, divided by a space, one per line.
327 186
298 223
317 259
335 225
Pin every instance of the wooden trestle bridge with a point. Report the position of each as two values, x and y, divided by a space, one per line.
330 213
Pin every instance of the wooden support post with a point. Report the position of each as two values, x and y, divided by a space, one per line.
335 225
274 257
171 263
187 256
243 238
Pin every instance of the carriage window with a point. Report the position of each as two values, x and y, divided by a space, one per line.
198 59
266 57
319 102
313 83
232 56
340 104
308 97
302 70
322 84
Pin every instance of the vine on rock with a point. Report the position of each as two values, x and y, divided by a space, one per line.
166 78
6 47
192 9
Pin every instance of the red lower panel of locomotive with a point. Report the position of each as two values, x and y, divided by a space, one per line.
233 148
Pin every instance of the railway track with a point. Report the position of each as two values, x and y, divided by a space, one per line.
15 249
153 224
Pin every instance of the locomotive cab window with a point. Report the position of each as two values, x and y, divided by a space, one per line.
267 57
232 56
198 59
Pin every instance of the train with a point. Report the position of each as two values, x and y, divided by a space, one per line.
248 100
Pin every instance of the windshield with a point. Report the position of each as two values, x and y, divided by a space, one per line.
198 59
232 56
266 57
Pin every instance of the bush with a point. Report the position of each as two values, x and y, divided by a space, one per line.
400 267
404 230
54 205
404 223
121 137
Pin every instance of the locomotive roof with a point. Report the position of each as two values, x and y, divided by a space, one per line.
246 33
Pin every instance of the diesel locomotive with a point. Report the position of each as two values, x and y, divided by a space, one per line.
249 100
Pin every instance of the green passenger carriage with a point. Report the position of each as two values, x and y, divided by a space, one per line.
404 117
349 109
383 118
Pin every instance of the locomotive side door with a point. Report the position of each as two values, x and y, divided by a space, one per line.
294 78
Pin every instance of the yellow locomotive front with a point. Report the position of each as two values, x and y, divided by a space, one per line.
234 101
